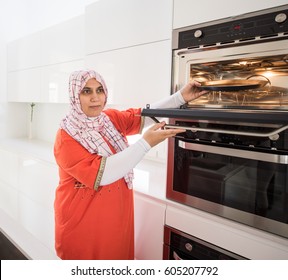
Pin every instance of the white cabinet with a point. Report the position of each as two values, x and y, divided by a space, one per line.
149 227
9 167
114 24
47 84
24 53
37 220
27 187
137 75
24 85
60 43
190 12
38 180
55 80
8 201
63 42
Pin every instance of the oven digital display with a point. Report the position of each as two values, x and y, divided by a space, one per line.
237 27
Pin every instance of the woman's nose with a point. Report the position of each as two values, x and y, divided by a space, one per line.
94 96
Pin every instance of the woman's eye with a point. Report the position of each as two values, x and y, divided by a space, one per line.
100 90
86 91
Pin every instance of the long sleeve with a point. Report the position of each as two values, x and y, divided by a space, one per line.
173 101
120 164
117 166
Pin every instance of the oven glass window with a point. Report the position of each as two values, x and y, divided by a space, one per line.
245 184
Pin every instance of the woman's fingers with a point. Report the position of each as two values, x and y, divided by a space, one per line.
156 134
173 131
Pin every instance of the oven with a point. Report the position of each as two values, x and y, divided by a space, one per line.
179 245
232 161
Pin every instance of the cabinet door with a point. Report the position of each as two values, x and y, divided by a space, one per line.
59 43
47 84
37 220
190 12
9 201
55 79
63 42
135 76
24 53
36 198
38 181
113 24
149 228
24 85
9 168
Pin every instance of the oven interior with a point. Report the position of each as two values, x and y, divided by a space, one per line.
239 63
272 69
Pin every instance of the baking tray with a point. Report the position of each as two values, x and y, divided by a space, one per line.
232 85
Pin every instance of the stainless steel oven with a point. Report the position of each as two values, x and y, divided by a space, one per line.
232 161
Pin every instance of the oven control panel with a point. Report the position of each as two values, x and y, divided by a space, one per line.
244 28
235 135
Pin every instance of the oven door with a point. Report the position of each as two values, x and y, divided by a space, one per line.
232 183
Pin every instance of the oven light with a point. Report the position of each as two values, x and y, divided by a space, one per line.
243 63
268 74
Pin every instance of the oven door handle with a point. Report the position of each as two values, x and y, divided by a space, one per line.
176 256
273 135
274 158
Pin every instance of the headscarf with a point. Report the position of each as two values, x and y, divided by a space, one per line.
91 131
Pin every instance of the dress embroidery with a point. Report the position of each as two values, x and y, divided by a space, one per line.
79 185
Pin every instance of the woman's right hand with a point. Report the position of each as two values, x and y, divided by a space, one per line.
155 134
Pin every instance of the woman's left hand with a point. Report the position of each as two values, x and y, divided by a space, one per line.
192 91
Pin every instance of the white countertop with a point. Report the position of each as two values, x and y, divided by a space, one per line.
37 148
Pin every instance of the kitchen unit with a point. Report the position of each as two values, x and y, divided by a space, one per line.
232 159
26 155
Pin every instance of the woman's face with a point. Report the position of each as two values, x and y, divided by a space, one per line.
92 98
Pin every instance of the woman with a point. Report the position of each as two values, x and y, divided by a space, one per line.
94 201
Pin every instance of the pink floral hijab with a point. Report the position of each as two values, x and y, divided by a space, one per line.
90 132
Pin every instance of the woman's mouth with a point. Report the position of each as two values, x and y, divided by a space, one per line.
95 107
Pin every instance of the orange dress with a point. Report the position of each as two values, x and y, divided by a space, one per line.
92 224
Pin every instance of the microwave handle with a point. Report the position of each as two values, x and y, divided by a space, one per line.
274 158
273 135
